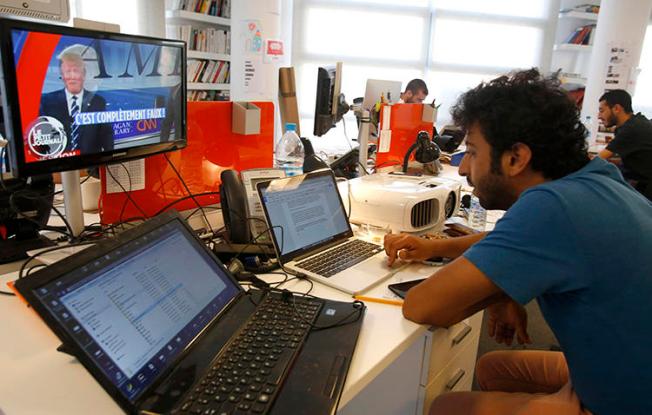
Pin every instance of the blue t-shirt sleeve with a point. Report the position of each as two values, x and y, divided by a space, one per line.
532 250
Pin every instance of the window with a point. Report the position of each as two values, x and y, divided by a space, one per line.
452 44
642 99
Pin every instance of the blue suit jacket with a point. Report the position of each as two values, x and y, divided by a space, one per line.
95 138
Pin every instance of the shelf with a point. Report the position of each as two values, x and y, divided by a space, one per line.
207 86
184 16
196 54
569 47
578 15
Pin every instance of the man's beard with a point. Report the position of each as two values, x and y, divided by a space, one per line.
611 121
493 192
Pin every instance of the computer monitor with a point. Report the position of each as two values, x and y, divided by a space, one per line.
376 88
75 98
330 105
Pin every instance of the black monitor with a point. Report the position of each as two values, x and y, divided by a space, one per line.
75 98
330 105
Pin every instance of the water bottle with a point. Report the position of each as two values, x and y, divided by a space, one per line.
477 215
289 152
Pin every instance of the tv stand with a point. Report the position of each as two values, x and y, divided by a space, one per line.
73 201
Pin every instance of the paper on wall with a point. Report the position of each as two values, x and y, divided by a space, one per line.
385 141
130 174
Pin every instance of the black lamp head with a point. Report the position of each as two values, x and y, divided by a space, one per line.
426 150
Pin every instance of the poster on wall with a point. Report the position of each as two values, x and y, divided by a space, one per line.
274 51
253 75
619 66
253 34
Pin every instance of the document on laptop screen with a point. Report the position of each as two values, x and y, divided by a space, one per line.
309 212
137 312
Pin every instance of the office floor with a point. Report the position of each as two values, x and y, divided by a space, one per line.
540 333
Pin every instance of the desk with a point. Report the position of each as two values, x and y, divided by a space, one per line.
398 366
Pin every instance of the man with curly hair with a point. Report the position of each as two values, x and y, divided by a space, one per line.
575 237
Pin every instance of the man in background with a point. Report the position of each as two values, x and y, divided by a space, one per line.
575 237
632 140
415 92
73 99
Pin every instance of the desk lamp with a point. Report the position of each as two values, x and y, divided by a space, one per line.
425 150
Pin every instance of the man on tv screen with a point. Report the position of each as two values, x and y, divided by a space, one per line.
65 104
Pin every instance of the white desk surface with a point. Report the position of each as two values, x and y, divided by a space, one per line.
36 379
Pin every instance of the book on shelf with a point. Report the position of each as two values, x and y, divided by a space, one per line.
582 35
583 8
219 8
200 95
202 39
208 71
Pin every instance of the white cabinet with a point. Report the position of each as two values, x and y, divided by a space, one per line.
206 28
442 360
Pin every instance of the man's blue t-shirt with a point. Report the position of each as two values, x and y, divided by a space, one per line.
582 246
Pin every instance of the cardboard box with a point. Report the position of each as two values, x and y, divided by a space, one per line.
246 118
287 98
429 113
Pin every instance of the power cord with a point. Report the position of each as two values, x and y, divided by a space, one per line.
192 196
127 193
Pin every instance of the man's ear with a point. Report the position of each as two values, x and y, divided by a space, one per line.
517 159
618 109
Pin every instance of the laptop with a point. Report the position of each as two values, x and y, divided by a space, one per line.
160 323
313 237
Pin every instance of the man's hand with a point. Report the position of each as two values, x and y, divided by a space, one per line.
407 247
505 319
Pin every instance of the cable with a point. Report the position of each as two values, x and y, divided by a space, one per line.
346 135
31 195
2 163
169 205
45 251
127 193
183 182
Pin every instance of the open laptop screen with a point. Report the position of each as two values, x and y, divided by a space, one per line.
134 310
305 212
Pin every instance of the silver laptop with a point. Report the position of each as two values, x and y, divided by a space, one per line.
312 235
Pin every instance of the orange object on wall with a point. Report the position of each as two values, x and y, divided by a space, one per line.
212 148
405 123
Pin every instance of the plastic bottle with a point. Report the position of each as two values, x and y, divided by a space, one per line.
289 152
477 215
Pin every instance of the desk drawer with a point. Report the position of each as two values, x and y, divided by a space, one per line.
446 343
456 376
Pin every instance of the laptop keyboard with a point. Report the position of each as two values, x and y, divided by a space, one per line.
342 257
247 377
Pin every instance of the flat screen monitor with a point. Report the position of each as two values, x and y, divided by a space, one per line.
75 98
390 90
330 105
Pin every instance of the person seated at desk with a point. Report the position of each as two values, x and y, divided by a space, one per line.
632 141
415 92
575 236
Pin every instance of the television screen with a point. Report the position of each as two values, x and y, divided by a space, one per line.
77 98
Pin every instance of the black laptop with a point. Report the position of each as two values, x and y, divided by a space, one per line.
160 323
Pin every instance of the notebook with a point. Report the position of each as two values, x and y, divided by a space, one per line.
160 323
310 227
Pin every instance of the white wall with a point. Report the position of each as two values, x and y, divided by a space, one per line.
617 25
275 20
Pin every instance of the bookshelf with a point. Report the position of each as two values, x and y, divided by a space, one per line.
576 25
205 26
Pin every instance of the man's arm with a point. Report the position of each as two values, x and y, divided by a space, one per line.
410 247
605 154
455 292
